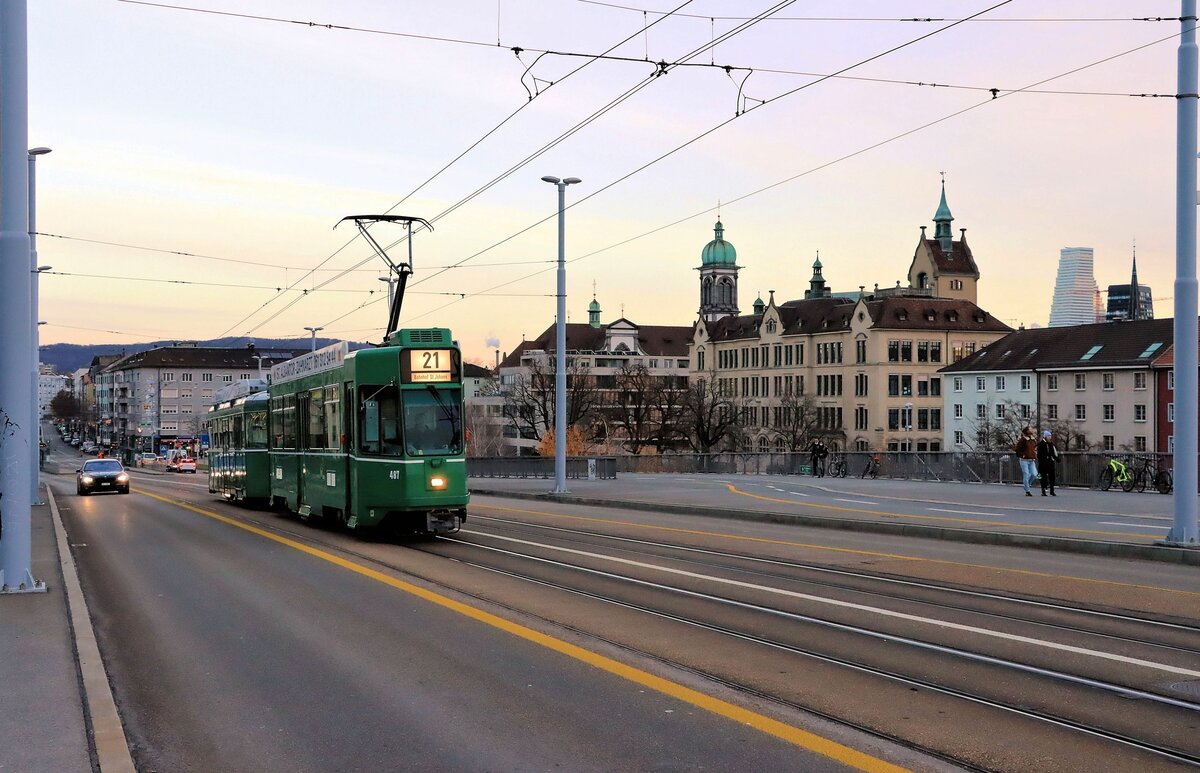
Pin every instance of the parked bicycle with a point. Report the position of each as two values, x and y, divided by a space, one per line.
1115 471
872 468
1147 473
837 466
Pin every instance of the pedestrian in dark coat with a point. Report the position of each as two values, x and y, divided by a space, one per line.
1047 457
814 456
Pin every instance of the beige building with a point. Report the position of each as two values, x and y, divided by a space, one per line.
863 365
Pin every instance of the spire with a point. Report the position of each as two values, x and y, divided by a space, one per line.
1134 292
816 285
942 219
594 309
719 230
759 306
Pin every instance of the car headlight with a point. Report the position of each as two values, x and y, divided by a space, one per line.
88 479
122 478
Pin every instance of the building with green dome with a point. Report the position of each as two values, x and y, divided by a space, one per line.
718 277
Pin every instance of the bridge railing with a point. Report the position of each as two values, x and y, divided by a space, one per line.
578 467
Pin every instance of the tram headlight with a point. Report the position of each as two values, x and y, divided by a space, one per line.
437 481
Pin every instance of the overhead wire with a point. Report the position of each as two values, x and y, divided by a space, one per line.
452 161
545 148
811 170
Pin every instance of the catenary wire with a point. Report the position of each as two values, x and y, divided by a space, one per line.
562 137
454 160
809 171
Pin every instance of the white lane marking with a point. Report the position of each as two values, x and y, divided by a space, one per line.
797 493
855 501
1149 517
1131 525
965 512
861 607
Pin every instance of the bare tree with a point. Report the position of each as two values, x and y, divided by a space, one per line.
633 407
485 437
669 397
710 417
798 424
529 400
64 405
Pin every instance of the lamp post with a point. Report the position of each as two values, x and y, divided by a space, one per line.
391 283
33 153
313 331
560 380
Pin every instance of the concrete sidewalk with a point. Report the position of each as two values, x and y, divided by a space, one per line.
57 711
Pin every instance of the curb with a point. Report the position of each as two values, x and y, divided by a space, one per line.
100 710
1040 542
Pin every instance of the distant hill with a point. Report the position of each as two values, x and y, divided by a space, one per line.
67 358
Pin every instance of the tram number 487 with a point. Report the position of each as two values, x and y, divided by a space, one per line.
394 474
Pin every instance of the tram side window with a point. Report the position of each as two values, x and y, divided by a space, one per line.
289 421
234 438
256 430
316 420
379 420
277 422
333 418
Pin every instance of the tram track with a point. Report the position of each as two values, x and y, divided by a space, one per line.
1180 629
1174 755
1060 720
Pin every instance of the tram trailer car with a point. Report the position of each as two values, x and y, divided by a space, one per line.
238 460
374 437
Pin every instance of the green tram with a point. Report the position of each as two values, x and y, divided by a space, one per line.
371 438
238 462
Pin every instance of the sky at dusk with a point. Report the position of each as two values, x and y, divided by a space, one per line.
245 140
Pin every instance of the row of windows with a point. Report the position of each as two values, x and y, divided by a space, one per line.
759 386
901 385
785 355
310 419
1108 411
927 351
206 378
1025 383
829 386
829 353
928 419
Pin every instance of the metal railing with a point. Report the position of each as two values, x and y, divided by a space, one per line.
1078 469
578 467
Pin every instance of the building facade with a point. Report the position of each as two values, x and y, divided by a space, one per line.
1075 288
603 362
49 385
1092 385
864 365
155 401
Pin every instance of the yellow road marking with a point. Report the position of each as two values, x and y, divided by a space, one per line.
852 551
781 730
735 490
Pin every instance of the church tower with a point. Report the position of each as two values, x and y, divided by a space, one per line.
718 277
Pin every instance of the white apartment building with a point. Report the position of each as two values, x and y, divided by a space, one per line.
1075 289
49 385
1092 385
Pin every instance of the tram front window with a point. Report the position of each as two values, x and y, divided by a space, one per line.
432 422
379 420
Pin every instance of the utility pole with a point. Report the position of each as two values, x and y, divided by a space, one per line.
560 380
1184 527
17 436
35 270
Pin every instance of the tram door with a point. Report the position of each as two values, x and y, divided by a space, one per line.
308 464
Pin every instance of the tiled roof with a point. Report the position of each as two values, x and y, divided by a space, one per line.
958 260
654 340
818 315
203 357
1116 344
471 370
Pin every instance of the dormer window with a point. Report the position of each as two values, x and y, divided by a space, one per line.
980 318
952 316
771 326
930 316
902 315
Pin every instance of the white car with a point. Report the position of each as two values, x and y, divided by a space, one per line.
186 465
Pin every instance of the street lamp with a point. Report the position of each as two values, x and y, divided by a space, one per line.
391 283
906 421
313 331
560 380
35 269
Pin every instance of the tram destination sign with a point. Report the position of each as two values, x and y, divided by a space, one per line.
328 358
430 366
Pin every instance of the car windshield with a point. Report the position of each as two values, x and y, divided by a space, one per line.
102 465
432 422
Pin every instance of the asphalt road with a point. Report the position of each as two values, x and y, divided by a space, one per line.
298 647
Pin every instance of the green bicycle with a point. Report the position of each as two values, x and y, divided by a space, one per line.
1115 472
